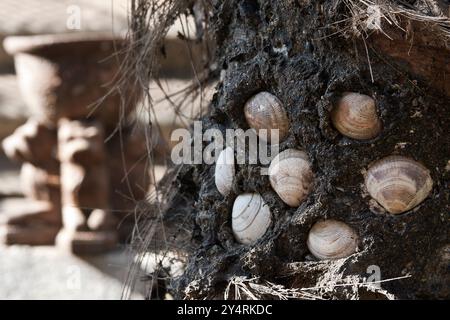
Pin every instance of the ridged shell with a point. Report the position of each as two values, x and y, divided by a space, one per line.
265 111
355 116
225 171
251 217
331 239
398 183
291 176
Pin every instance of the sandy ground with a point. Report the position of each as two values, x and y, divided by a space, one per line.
46 273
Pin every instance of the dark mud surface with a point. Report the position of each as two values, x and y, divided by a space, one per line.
283 47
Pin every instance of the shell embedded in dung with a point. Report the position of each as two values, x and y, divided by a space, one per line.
251 217
355 116
398 183
265 111
225 171
332 239
291 176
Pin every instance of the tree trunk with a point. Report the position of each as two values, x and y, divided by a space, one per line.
308 54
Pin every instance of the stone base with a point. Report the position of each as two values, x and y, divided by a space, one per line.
28 213
86 242
30 222
29 235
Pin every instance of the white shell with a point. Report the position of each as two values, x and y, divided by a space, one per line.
355 116
225 171
291 176
251 217
398 183
264 111
331 239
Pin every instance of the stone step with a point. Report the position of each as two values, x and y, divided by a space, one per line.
24 274
28 17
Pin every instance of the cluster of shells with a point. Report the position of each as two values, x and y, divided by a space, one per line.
397 183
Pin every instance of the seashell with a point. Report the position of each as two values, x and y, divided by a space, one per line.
265 111
251 217
332 239
224 173
398 183
355 116
291 176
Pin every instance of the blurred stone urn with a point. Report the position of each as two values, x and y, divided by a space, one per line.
68 82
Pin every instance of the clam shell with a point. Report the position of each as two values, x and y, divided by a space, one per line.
332 239
291 176
355 116
251 218
398 183
225 171
265 111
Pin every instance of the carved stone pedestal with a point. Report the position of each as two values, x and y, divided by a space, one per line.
66 79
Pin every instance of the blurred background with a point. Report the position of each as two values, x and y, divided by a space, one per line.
30 271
